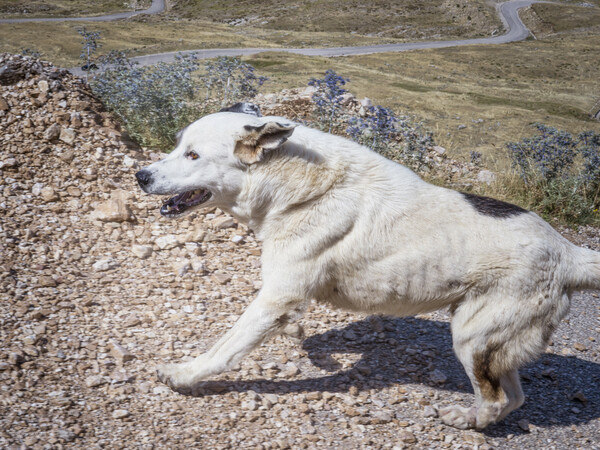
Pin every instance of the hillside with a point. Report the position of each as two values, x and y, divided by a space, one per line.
404 19
96 289
67 8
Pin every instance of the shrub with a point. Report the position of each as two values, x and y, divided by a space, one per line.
230 80
26 51
395 137
328 98
375 130
549 155
153 102
560 173
89 46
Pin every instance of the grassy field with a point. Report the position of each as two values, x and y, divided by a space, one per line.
67 8
496 92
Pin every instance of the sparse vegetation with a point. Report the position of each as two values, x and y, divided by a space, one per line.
67 8
229 80
404 19
559 173
153 102
328 98
379 128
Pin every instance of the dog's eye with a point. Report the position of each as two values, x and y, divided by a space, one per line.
192 155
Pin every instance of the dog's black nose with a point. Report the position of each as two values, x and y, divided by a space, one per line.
144 177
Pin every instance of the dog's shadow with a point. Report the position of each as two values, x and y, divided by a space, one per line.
559 390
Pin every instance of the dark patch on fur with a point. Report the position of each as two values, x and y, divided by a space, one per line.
489 381
492 207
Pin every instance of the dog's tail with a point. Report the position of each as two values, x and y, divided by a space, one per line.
585 269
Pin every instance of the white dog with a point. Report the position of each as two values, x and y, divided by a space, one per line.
343 225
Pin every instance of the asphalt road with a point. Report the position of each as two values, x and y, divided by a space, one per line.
157 6
508 12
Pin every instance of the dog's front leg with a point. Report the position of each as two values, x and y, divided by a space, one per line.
265 316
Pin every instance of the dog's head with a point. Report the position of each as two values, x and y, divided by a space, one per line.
212 155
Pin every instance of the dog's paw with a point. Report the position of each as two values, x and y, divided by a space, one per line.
174 376
459 417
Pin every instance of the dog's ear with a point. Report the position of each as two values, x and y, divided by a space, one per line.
256 141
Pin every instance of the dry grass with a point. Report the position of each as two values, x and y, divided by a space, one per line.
67 8
61 44
389 18
495 91
561 18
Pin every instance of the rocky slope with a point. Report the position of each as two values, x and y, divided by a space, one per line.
97 288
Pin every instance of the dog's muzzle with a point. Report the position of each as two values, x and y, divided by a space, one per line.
144 178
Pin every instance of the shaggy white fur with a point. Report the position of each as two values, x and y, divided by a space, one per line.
343 225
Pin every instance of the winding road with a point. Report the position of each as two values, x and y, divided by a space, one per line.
507 11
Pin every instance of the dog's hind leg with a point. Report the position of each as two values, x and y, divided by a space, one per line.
492 338
267 315
511 384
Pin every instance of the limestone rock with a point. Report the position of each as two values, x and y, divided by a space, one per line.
67 135
113 210
105 264
52 132
120 413
486 176
167 242
119 352
48 194
142 251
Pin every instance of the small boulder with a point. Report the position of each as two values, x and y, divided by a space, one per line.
48 194
366 102
113 210
104 264
52 132
142 251
67 135
166 242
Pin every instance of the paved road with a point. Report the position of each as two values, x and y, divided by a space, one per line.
508 12
157 6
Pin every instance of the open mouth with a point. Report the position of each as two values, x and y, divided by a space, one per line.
176 206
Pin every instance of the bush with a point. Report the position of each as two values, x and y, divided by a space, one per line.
396 138
560 173
328 98
230 80
375 130
153 102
